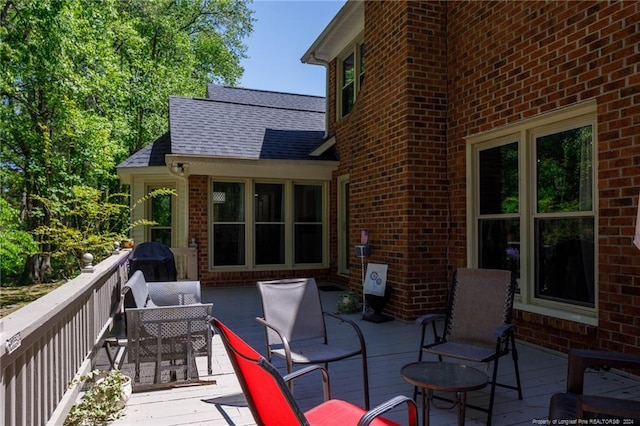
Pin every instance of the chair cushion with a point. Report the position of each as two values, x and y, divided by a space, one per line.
337 413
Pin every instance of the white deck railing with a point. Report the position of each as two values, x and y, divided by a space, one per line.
186 259
48 342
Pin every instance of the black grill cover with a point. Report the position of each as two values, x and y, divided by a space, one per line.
155 260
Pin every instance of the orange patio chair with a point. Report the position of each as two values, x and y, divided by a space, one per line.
272 404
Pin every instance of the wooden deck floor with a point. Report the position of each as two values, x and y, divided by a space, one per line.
390 346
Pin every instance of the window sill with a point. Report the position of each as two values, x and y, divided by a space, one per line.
557 313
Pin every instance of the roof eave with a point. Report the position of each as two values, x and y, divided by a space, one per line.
343 28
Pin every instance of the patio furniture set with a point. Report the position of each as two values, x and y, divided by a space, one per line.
167 322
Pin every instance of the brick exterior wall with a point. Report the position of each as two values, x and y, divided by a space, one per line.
512 60
438 72
393 146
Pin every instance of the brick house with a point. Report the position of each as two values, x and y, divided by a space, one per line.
482 134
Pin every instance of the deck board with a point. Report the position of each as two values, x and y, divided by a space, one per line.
390 346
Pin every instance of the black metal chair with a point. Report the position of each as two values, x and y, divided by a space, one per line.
477 325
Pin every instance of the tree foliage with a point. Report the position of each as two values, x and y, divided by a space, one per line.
15 243
85 83
85 221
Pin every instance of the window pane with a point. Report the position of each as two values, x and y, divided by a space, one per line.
499 179
347 70
230 207
161 210
307 203
500 245
269 244
308 244
268 202
269 228
161 235
348 84
348 98
565 260
228 247
564 171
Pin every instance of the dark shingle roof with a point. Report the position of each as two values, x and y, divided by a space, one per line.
240 95
151 155
239 123
236 130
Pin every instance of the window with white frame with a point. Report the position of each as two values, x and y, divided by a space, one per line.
534 213
351 77
287 227
160 211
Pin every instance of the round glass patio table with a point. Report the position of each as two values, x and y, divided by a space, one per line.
446 377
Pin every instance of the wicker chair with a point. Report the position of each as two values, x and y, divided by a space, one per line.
295 328
271 402
574 404
477 324
166 322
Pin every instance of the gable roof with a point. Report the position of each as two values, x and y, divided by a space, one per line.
266 98
242 124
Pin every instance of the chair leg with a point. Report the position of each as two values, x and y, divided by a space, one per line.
493 391
514 355
365 374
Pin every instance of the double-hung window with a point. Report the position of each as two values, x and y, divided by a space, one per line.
286 227
160 211
351 77
533 209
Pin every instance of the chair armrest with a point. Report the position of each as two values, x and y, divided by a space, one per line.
171 293
424 321
428 318
503 330
371 415
581 359
355 327
326 390
614 407
281 336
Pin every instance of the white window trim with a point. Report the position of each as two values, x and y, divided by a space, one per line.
343 237
525 132
289 226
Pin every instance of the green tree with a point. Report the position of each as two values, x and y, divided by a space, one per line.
85 83
15 243
85 221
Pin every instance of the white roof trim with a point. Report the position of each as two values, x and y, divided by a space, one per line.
345 27
324 147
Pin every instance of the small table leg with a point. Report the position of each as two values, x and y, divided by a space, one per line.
461 400
427 396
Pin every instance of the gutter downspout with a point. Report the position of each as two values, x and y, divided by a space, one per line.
326 90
